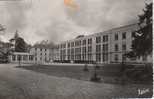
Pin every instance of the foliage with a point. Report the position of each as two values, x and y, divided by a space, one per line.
142 43
20 44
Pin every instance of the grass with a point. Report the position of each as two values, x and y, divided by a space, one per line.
108 74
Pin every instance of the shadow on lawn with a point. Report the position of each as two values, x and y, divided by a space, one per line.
77 72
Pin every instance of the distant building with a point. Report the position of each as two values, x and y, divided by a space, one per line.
55 53
41 54
104 47
23 57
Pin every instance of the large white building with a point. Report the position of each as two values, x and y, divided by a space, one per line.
104 47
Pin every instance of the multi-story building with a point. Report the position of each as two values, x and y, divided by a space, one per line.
41 54
104 47
55 53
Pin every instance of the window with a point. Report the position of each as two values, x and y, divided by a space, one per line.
98 39
98 48
116 47
105 57
77 43
124 35
64 45
90 41
84 50
45 49
68 45
84 42
124 47
103 47
98 57
105 38
116 37
72 44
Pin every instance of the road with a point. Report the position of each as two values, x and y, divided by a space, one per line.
17 83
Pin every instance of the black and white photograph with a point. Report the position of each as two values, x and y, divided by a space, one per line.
76 49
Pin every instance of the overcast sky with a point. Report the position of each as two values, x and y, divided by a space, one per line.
56 20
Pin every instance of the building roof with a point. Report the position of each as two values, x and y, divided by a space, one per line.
107 31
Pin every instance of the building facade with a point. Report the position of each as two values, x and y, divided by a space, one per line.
41 54
55 53
23 57
104 47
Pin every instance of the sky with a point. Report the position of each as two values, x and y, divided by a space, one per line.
61 20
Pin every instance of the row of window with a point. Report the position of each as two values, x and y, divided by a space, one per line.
104 57
116 58
41 54
104 48
77 43
77 57
116 47
77 50
98 49
36 58
116 36
104 39
99 39
40 49
22 57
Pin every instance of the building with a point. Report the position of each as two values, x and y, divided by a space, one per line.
55 53
23 57
41 54
104 47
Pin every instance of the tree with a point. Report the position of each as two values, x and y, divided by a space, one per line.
5 51
20 44
142 43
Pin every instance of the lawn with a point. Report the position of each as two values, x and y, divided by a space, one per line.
108 74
